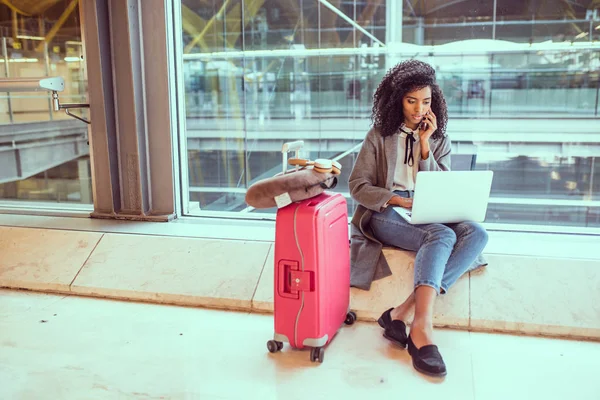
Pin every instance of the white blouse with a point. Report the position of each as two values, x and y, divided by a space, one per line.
407 164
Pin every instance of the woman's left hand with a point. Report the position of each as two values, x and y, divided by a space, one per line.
428 126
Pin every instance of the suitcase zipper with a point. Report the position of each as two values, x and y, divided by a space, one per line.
301 269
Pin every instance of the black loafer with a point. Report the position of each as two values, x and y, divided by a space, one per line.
394 330
427 360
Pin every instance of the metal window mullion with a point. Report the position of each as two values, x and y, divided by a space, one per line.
157 99
177 106
127 103
102 133
133 130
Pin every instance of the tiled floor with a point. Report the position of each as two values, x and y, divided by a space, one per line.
515 293
67 347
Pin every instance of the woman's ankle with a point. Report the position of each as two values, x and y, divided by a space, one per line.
401 313
421 331
422 323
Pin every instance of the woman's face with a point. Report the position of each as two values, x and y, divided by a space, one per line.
415 105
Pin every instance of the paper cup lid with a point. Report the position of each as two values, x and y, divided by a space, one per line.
323 163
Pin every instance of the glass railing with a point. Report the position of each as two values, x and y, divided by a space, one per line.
241 106
533 81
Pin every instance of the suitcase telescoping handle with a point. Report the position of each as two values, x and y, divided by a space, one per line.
291 146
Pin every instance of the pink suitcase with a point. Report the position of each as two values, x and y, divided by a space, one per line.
312 273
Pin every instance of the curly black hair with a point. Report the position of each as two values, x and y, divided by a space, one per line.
406 77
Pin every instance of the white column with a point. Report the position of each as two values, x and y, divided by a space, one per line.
420 31
393 21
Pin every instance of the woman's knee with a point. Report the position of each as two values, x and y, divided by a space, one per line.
441 233
482 234
479 231
474 231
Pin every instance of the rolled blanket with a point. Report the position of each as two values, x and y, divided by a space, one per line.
283 189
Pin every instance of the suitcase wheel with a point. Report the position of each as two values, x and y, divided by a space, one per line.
350 318
317 354
274 346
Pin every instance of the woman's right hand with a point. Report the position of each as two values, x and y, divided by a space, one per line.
401 201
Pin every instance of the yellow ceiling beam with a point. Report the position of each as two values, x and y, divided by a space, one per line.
232 24
329 38
571 14
363 20
193 24
310 36
10 5
43 5
197 27
209 25
61 20
29 8
252 8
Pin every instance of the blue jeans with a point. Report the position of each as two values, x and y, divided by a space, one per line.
444 251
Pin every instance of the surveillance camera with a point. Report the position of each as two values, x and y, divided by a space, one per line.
55 84
51 84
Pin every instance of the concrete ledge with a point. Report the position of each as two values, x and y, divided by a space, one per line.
537 296
451 310
184 271
514 294
42 259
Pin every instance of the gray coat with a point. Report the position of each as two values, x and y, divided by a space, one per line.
370 183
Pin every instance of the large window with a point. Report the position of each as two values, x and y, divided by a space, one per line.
43 153
521 84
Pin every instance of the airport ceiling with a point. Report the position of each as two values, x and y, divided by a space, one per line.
430 9
34 7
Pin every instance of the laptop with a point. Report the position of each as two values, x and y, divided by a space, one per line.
448 197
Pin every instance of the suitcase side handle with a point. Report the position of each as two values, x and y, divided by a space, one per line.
291 146
292 281
284 281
